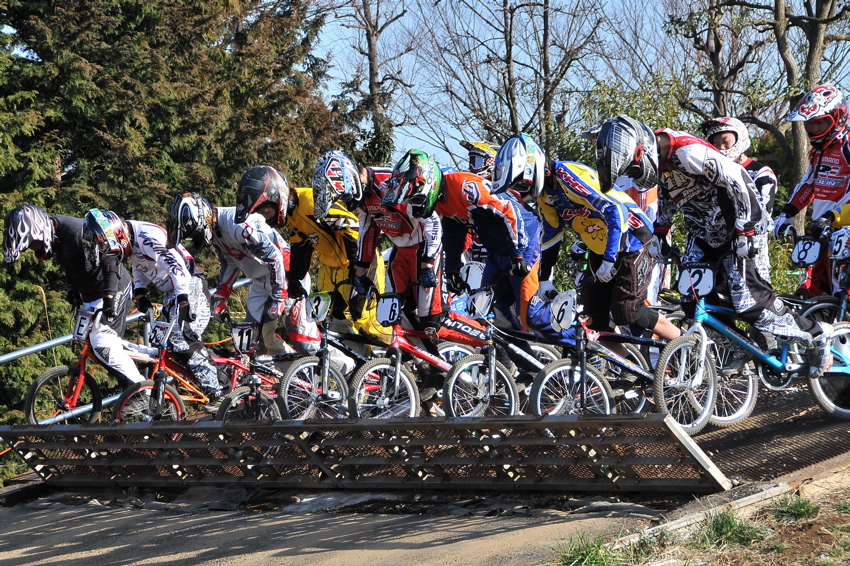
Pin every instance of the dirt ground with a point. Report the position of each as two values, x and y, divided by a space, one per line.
218 526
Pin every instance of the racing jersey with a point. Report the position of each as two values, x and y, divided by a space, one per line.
152 262
606 222
252 247
397 222
68 253
334 238
766 184
716 195
466 203
826 183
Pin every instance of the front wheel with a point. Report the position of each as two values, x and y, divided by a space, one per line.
62 395
469 391
676 390
301 395
378 391
832 390
248 404
558 390
136 404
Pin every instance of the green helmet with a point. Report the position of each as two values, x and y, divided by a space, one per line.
416 181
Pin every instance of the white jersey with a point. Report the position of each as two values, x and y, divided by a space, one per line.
251 247
153 263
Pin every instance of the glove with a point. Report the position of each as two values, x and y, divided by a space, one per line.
455 283
818 226
361 285
427 277
74 298
109 308
578 251
606 271
218 307
296 290
746 246
184 309
658 248
276 309
140 297
519 267
780 228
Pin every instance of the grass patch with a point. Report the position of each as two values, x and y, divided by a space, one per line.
584 551
843 507
792 508
724 529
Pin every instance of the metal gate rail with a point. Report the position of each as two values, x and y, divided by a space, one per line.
646 453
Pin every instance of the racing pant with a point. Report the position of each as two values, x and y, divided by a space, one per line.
105 337
362 319
185 343
752 297
622 299
256 306
403 271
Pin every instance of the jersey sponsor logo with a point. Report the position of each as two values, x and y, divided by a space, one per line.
570 213
465 329
471 192
710 168
570 181
830 160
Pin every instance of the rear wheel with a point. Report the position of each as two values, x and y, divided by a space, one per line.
51 398
467 392
832 390
302 396
248 404
379 392
557 390
135 404
675 389
825 310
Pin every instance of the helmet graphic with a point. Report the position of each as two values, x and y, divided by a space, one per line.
24 225
335 177
104 234
190 217
520 165
482 157
416 180
726 124
627 147
262 186
824 101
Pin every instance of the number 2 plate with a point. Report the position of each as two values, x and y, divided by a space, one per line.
699 277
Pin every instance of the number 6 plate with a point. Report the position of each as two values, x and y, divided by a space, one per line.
388 310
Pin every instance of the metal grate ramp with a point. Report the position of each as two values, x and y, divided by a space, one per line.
638 453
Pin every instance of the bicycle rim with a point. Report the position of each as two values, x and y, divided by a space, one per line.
302 397
557 390
467 390
674 389
245 404
378 393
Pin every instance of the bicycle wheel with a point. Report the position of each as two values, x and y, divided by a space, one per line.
674 389
301 397
377 392
248 404
134 405
628 387
452 351
545 353
557 390
737 388
825 310
832 390
50 398
467 390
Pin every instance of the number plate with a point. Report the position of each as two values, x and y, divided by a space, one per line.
159 333
479 303
388 311
806 251
697 278
472 273
839 244
82 325
318 306
563 310
245 337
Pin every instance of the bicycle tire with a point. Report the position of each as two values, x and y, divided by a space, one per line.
248 404
452 351
556 391
832 390
825 310
47 397
300 398
675 396
736 393
634 399
466 396
373 393
134 404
